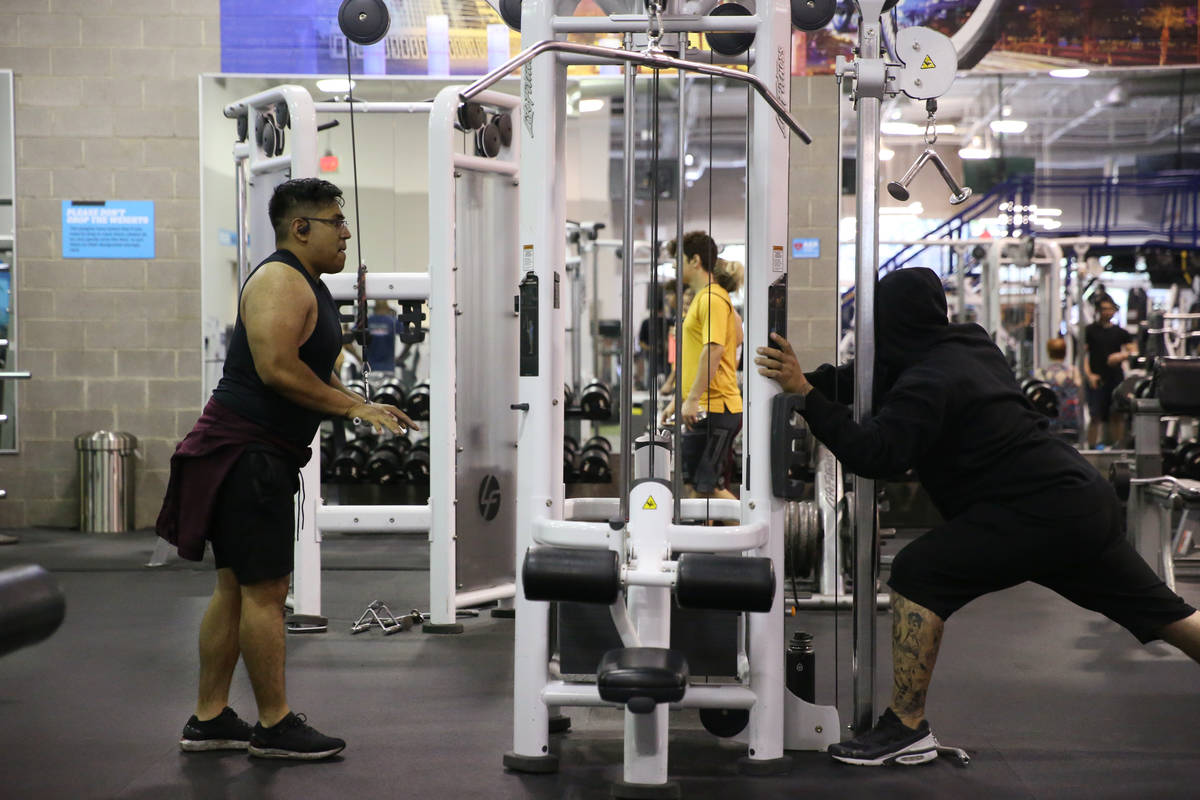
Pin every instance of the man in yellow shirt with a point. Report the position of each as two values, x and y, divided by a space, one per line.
712 405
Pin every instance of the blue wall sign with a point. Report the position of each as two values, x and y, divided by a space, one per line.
112 229
806 248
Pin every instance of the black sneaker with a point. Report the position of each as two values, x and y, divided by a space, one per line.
293 737
889 742
223 732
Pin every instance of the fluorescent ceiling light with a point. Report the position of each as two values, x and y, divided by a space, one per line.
1047 212
913 209
1009 125
886 154
1050 224
901 128
911 129
974 152
1073 72
335 85
688 159
591 104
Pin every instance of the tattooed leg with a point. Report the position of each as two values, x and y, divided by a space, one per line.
916 637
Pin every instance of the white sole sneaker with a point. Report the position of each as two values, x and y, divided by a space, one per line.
268 752
204 745
919 752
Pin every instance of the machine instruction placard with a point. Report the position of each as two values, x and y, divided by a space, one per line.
108 229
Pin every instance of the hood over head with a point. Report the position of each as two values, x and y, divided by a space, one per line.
910 317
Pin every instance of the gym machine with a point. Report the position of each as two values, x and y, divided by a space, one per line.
468 550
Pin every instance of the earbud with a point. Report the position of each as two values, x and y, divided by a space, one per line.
302 227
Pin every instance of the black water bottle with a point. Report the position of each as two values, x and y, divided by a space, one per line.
799 660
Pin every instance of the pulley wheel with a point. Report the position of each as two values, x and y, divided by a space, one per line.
730 44
471 116
364 21
503 124
724 722
510 12
813 15
487 141
1119 475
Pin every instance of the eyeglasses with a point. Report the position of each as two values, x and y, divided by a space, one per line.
337 222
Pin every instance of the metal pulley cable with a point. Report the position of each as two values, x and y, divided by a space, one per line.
359 331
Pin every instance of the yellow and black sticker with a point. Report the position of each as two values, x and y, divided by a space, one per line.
650 505
928 63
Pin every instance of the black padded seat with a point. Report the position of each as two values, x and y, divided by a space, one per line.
642 677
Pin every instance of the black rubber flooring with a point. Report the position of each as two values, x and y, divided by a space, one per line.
1051 701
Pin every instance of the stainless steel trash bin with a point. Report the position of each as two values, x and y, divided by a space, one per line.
106 460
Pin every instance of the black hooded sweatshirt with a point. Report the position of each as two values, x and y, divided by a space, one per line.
947 405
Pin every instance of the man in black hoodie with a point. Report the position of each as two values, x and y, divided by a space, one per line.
1019 504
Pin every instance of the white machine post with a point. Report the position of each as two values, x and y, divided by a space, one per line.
766 262
540 395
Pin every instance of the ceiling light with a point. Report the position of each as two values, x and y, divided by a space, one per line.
901 129
945 128
913 209
688 159
591 104
886 154
1050 224
609 41
335 85
1073 72
1046 212
975 150
1009 125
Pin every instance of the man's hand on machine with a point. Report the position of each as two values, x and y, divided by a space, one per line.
780 365
380 416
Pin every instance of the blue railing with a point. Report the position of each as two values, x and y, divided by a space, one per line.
1161 209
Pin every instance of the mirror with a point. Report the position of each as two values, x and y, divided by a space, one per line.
8 298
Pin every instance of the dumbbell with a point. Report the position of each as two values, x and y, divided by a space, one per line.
1041 395
570 457
416 462
392 393
386 464
359 387
418 401
1122 396
595 401
594 465
350 465
1187 460
1144 388
568 396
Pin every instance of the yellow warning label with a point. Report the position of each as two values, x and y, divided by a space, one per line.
650 505
928 63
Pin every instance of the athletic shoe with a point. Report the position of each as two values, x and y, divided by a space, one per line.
225 731
889 742
293 737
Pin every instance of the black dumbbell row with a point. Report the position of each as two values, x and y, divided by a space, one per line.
593 402
1181 460
368 458
414 402
587 464
1041 395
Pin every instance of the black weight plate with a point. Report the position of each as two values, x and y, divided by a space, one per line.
510 12
471 116
487 141
730 44
503 124
813 15
724 722
283 117
364 21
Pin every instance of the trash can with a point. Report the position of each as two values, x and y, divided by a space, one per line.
106 461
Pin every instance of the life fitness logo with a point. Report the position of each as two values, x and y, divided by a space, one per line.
489 497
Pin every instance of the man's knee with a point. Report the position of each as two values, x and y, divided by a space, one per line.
272 591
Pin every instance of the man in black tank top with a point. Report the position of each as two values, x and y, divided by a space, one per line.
233 477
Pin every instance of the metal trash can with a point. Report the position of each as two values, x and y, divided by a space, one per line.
106 461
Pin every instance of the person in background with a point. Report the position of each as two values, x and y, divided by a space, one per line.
712 405
380 352
1066 381
1108 346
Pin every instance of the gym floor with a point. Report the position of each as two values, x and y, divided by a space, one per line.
1050 700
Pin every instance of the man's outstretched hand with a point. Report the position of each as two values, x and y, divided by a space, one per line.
780 365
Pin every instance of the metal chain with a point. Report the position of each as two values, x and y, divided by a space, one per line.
654 30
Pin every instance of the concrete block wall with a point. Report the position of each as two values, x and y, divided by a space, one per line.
813 205
105 109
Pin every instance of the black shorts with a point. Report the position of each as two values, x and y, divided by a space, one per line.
707 451
253 522
1085 558
1099 401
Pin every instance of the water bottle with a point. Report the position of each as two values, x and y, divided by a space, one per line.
800 665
